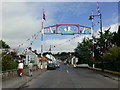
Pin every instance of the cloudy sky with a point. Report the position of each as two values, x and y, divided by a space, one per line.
21 21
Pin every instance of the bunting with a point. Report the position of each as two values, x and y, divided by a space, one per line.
98 9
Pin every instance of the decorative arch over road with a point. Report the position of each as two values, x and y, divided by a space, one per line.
67 29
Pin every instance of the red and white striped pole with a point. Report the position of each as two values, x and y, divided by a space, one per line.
41 67
42 36
42 31
93 54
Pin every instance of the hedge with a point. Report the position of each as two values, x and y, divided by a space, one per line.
8 63
113 66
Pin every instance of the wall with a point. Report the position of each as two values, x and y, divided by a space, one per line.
14 73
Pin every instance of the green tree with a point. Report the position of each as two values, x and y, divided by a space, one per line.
103 44
3 44
116 37
112 59
83 50
8 63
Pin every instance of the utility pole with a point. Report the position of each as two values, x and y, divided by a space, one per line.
100 16
92 28
42 36
92 18
50 49
102 39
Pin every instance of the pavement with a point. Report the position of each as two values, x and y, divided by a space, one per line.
110 74
107 73
18 82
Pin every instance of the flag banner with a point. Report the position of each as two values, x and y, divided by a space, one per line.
42 31
67 29
98 9
88 28
85 30
93 58
28 39
34 34
50 30
44 17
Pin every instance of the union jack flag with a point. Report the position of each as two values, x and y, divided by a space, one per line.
44 17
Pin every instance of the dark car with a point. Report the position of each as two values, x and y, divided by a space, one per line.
51 66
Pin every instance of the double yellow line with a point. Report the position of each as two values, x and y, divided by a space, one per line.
113 72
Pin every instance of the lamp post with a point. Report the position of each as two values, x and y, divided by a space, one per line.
50 49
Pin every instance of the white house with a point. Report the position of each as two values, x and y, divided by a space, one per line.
74 60
51 58
30 56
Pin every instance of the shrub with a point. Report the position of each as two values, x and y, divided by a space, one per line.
111 59
8 63
0 65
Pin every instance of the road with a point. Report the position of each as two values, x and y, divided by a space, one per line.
69 77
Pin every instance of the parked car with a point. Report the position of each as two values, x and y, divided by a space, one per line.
51 66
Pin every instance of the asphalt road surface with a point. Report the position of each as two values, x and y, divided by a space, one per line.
69 77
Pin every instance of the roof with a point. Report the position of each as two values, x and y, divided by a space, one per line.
44 58
51 57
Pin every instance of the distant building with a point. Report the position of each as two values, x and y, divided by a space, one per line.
72 60
52 58
30 56
43 62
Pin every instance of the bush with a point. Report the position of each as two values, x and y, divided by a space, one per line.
112 59
0 65
98 64
8 63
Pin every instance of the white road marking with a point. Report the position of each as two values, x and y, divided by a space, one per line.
67 71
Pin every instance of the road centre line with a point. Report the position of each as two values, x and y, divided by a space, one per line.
67 71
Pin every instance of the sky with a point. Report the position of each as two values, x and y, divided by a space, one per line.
21 20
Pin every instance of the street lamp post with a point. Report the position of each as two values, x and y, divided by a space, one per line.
50 49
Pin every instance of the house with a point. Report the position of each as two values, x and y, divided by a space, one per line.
31 56
52 58
43 62
72 60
